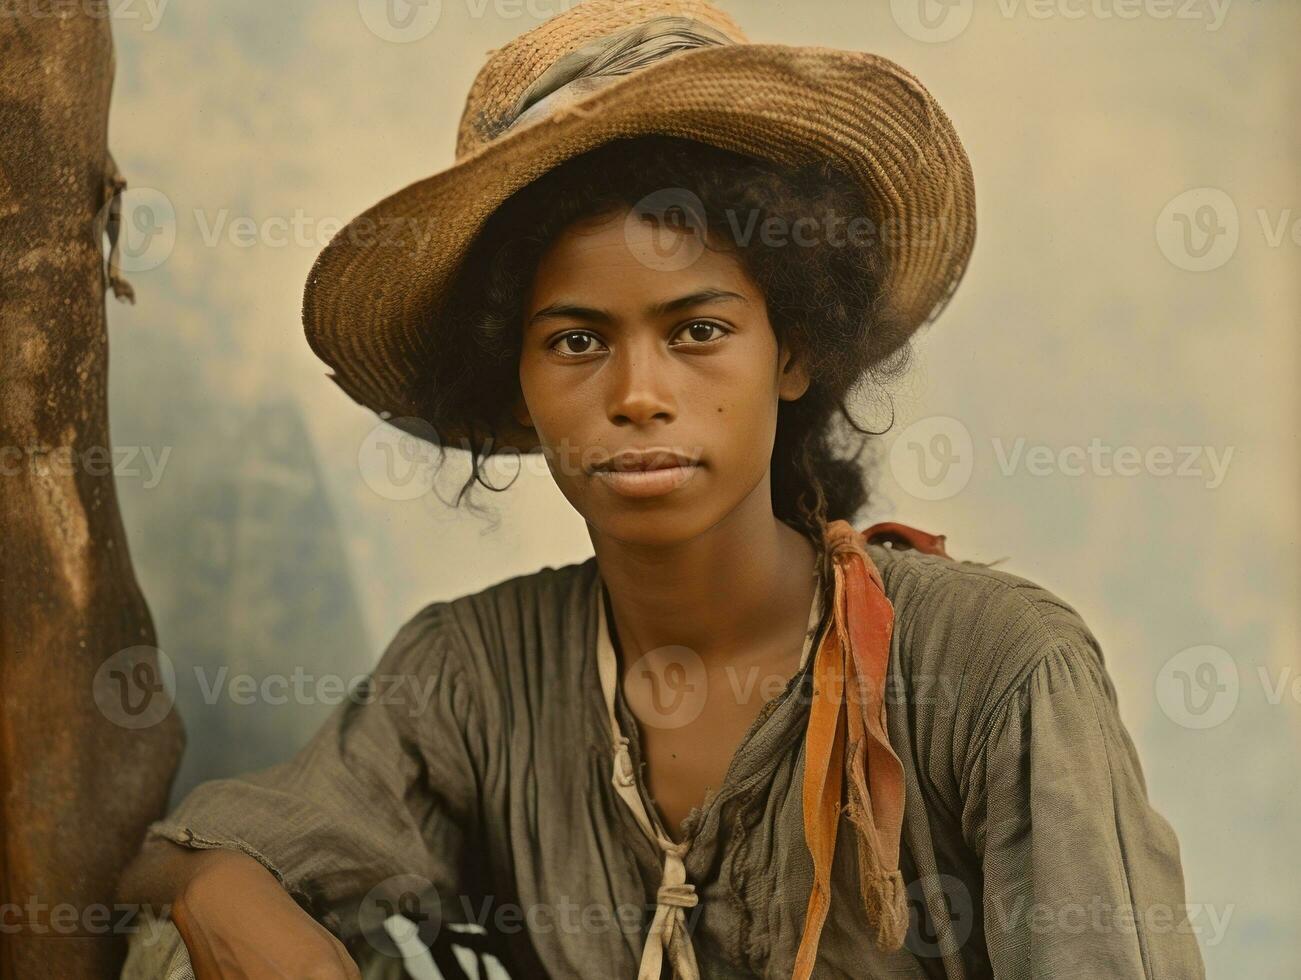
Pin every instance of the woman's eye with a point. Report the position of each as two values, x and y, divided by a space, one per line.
573 343
698 331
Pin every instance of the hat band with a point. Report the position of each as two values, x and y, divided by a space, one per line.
600 62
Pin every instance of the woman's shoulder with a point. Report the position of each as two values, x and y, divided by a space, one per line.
974 626
502 606
975 644
506 629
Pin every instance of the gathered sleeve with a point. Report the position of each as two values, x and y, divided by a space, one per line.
387 787
1081 875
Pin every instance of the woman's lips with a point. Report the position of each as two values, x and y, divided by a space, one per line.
647 483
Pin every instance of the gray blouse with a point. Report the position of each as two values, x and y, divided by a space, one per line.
470 782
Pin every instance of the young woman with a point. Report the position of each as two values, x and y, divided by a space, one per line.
744 738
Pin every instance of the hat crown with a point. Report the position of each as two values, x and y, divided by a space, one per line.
512 68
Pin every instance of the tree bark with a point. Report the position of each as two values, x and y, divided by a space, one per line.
88 740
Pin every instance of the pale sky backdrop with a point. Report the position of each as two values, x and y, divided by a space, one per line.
1134 284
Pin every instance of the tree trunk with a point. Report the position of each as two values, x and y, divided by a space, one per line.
88 740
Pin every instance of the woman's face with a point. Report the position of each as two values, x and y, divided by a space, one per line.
626 348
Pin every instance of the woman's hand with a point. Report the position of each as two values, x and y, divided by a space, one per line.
238 923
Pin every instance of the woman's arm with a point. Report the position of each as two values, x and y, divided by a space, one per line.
1081 875
269 870
233 916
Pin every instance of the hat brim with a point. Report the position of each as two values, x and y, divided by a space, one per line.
372 295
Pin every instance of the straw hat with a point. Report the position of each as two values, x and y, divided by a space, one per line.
607 69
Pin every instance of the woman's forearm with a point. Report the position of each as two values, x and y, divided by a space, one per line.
233 915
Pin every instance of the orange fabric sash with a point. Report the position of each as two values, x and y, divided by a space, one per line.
847 750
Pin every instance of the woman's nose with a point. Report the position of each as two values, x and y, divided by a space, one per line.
641 382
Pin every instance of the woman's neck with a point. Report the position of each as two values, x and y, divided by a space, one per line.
746 584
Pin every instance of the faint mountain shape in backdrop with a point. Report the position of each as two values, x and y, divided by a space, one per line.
257 586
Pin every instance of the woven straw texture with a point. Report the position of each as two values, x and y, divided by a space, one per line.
370 309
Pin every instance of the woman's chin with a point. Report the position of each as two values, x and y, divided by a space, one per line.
656 522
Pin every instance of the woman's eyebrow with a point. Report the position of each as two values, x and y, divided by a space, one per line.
697 298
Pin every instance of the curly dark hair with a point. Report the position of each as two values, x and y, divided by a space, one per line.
823 301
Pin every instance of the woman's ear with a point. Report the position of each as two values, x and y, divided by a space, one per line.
793 381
